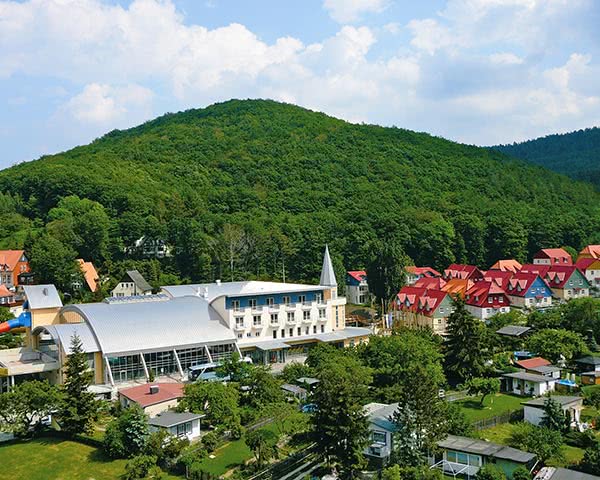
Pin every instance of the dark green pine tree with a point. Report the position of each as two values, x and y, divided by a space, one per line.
79 409
467 347
555 417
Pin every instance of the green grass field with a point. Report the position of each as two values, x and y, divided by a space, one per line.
57 459
493 406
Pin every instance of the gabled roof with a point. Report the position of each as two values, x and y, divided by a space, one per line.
358 275
170 419
424 271
591 251
420 300
541 270
42 296
584 264
508 265
513 330
558 275
461 271
327 273
457 286
478 294
519 284
486 449
558 256
5 292
499 277
435 283
142 396
533 362
89 274
9 259
381 414
140 282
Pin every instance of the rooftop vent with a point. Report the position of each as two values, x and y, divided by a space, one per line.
218 282
45 291
154 389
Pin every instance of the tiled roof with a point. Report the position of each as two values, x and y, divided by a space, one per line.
541 270
89 274
584 264
462 271
478 294
508 265
591 250
556 255
5 292
457 286
533 362
558 275
420 300
142 396
519 284
358 275
10 258
426 271
499 277
436 283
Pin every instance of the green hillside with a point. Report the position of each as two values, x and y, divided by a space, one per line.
576 154
265 185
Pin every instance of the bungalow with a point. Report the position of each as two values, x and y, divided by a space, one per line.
12 264
590 378
416 273
132 284
465 456
357 288
528 290
294 392
558 473
464 272
485 299
552 256
588 364
381 430
572 406
566 282
154 398
590 267
182 425
591 251
527 384
423 307
509 265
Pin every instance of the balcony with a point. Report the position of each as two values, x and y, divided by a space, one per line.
307 319
239 327
307 305
291 319
274 322
290 306
238 309
257 309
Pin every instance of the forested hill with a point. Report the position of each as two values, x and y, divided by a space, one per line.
261 183
576 154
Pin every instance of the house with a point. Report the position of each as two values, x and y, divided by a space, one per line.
499 277
132 284
294 391
538 269
381 432
485 299
566 282
552 256
12 264
508 265
181 425
591 378
422 307
90 276
463 272
309 383
154 398
527 384
464 456
7 298
545 370
416 273
514 331
534 362
528 290
457 287
589 363
590 267
357 287
559 473
572 406
149 248
591 251
433 283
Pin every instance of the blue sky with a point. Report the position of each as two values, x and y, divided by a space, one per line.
475 71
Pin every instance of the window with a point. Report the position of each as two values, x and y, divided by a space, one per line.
379 437
240 335
291 332
322 328
274 317
321 313
307 330
302 298
184 429
489 299
286 300
299 331
249 334
319 297
306 316
314 329
239 322
257 320
257 334
291 317
283 333
500 299
235 304
337 317
252 303
274 333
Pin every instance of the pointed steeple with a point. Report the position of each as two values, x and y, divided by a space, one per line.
327 273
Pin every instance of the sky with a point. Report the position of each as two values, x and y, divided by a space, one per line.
475 71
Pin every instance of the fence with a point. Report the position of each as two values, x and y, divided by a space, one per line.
513 416
293 462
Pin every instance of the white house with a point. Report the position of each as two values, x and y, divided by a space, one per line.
177 424
528 384
132 284
357 287
572 406
381 431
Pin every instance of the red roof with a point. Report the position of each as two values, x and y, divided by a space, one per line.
520 283
435 283
5 292
541 270
509 265
423 301
424 271
584 263
533 363
89 274
358 275
142 396
557 256
499 277
479 293
591 250
10 259
558 275
463 272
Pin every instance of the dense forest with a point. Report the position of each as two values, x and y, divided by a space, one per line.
576 154
255 189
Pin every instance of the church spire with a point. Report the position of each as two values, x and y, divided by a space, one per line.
327 273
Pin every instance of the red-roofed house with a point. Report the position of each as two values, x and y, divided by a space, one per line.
457 286
425 308
416 273
357 287
508 265
590 267
435 283
12 264
540 270
591 251
154 398
533 363
90 275
566 282
7 298
463 272
552 256
499 277
485 299
528 290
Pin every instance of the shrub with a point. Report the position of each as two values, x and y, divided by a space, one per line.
210 441
139 467
490 472
521 473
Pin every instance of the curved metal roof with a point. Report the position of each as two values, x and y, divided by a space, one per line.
127 328
64 332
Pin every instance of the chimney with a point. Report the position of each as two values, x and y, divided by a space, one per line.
218 282
154 389
45 291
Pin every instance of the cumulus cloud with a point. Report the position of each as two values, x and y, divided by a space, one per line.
350 11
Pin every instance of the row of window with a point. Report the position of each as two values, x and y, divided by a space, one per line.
463 458
291 318
270 301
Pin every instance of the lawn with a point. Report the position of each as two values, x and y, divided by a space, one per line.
493 406
57 459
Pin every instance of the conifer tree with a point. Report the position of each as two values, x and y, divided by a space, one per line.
79 408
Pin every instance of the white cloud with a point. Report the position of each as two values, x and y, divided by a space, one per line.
350 11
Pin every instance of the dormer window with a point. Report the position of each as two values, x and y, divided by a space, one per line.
489 299
500 300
